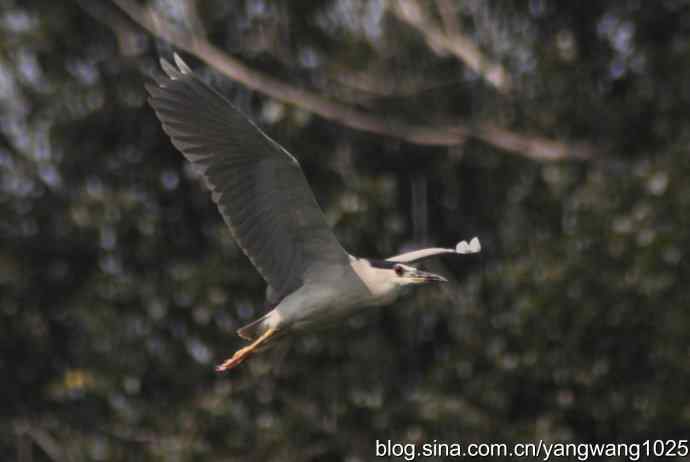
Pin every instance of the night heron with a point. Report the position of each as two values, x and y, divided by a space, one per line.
265 200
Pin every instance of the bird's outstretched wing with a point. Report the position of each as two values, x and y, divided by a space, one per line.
258 186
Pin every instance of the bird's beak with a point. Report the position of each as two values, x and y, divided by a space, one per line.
423 277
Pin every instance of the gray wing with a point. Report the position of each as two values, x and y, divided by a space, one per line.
258 186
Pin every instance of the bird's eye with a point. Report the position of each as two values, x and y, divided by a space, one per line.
399 270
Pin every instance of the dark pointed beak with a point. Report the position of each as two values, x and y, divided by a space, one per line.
424 277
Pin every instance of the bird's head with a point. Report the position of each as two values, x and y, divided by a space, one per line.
384 276
403 275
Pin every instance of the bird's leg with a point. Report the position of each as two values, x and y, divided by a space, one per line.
243 353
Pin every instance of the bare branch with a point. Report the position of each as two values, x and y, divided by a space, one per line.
539 148
279 90
128 38
24 449
42 439
456 43
374 83
448 12
191 9
447 135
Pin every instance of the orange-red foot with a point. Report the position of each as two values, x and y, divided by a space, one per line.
243 353
235 360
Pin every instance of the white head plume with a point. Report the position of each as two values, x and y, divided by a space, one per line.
473 247
463 248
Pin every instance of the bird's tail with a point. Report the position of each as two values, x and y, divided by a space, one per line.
254 329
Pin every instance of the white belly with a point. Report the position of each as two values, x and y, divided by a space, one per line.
323 307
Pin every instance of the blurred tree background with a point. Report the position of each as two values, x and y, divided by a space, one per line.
556 131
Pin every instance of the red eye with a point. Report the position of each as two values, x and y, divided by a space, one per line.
399 270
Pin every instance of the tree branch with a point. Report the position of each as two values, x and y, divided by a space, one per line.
127 37
535 148
191 9
456 43
448 11
42 439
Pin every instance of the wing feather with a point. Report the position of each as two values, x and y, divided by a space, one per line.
259 187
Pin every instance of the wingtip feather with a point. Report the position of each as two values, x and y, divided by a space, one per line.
152 89
169 69
182 66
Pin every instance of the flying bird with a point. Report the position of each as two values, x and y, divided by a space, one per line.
265 200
